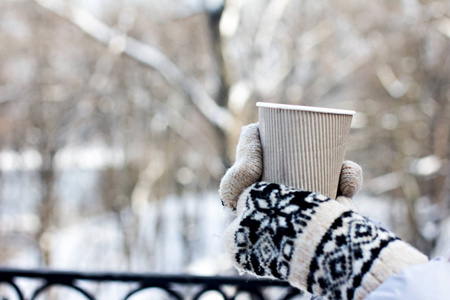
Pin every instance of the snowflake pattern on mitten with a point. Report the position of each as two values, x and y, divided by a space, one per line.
274 215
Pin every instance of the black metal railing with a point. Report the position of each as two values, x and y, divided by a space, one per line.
175 286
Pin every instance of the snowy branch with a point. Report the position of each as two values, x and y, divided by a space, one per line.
145 54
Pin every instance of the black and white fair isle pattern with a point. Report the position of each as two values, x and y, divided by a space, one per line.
273 218
345 254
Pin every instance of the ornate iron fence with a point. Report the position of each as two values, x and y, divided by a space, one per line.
175 286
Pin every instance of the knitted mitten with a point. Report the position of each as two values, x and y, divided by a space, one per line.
315 243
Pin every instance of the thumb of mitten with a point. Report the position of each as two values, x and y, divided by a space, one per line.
247 168
350 182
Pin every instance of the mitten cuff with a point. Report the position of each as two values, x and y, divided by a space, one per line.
350 257
397 256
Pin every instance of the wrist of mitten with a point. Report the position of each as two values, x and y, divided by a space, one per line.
313 242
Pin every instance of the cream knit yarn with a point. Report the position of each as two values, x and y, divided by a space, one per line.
247 168
316 243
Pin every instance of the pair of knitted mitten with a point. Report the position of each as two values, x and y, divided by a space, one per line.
316 243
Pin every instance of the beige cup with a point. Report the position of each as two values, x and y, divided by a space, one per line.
303 146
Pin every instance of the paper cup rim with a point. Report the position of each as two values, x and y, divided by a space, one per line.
306 108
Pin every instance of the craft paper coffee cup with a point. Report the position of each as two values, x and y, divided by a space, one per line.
303 146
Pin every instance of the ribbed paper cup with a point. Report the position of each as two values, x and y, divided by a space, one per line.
303 146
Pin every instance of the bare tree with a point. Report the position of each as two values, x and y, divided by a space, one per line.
167 87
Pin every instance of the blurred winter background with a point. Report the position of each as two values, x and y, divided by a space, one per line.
119 117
